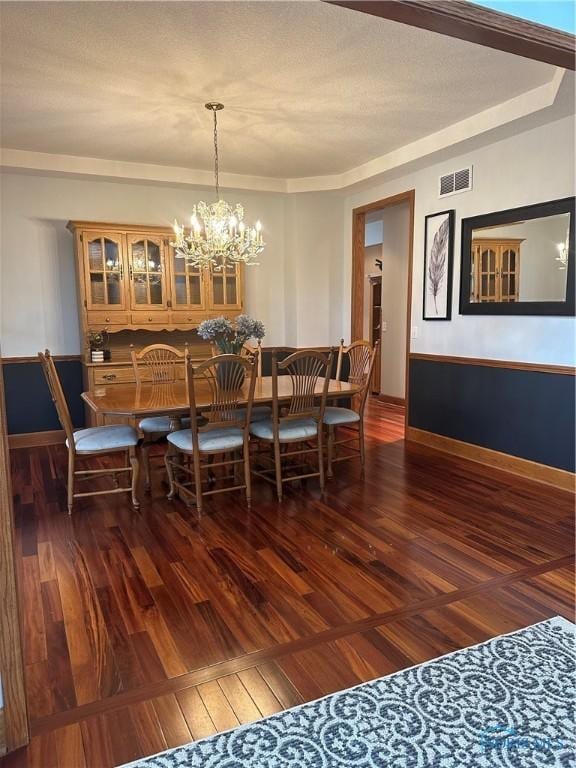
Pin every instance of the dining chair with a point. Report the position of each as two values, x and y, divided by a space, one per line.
361 356
215 388
159 364
94 441
249 351
299 420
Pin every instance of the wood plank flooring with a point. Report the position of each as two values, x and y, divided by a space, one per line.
145 630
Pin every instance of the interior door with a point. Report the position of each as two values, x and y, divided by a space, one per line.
104 270
147 268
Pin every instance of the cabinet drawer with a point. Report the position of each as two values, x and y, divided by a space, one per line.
187 316
150 317
109 375
108 318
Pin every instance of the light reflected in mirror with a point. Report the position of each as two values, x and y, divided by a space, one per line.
521 261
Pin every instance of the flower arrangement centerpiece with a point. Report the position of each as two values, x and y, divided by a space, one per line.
230 336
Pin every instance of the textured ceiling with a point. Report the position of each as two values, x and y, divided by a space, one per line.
310 89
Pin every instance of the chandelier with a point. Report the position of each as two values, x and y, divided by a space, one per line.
563 253
217 232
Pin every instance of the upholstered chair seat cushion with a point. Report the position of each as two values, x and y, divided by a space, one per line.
107 438
159 424
259 413
333 415
212 441
294 429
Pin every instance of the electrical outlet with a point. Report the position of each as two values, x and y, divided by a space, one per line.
384 326
414 332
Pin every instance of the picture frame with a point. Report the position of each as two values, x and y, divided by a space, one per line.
438 265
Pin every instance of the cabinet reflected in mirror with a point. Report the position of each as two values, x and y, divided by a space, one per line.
523 261
519 261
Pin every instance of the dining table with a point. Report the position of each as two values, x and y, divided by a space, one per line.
170 399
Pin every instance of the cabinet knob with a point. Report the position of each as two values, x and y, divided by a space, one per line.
109 376
107 319
149 319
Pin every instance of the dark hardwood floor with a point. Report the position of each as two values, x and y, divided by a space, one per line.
145 630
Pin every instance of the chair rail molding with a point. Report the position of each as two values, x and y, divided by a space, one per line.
518 365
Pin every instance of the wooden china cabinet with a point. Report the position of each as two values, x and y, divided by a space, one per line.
495 270
133 288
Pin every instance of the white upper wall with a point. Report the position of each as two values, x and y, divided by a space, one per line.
530 167
314 278
302 289
38 292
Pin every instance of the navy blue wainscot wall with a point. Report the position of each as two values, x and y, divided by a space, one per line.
525 413
29 406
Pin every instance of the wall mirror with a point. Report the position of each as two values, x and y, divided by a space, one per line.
519 261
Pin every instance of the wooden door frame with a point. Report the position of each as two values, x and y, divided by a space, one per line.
11 664
358 286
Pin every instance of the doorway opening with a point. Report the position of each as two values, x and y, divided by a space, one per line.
383 233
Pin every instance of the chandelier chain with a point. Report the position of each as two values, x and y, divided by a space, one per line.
216 155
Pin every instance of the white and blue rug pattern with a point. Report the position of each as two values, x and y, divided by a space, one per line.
507 702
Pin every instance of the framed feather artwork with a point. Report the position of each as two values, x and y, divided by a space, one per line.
438 261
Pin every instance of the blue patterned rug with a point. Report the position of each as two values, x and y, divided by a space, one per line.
507 702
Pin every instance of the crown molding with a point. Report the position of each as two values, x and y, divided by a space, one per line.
507 112
89 167
502 114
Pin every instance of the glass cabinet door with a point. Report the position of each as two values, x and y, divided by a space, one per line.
509 273
487 286
225 287
187 284
474 270
146 261
104 270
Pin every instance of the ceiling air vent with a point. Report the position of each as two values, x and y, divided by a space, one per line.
455 182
